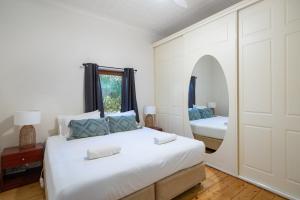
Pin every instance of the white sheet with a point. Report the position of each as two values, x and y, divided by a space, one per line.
214 127
70 176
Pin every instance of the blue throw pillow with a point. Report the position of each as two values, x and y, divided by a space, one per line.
194 114
206 113
88 128
121 123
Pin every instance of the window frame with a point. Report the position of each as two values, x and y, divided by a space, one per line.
112 73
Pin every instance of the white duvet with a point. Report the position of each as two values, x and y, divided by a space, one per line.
70 176
214 127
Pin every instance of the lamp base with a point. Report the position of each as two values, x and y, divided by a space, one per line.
27 137
149 121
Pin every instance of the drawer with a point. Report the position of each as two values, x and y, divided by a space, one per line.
15 160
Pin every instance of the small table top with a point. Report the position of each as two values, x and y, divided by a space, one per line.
156 128
17 149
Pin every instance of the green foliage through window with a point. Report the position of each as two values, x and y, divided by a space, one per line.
111 92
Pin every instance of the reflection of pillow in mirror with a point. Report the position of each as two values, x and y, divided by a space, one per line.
199 106
194 114
206 113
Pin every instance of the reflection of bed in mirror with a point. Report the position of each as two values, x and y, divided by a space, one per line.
208 103
210 130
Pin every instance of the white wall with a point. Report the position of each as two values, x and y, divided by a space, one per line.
211 85
41 49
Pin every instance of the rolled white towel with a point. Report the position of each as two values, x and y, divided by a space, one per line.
164 138
103 151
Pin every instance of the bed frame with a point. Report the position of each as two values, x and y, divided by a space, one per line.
171 186
211 143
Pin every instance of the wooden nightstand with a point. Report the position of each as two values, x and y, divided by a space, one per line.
30 160
156 128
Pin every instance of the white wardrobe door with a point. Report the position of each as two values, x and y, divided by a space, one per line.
169 62
269 94
218 39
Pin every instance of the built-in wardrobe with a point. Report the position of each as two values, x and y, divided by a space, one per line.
257 44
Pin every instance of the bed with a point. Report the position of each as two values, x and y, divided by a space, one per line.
142 170
210 130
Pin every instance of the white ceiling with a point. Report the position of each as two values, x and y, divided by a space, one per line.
162 17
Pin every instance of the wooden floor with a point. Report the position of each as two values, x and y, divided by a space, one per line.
217 185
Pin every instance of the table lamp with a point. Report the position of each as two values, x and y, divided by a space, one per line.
27 119
150 112
212 105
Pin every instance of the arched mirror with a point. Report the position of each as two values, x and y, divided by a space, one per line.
208 103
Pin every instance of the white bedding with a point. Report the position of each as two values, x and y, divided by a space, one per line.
214 127
70 176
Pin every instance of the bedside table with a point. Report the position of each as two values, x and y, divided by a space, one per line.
156 128
21 166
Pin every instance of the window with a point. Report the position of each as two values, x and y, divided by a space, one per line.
111 84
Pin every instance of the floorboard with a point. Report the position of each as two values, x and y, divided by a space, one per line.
217 186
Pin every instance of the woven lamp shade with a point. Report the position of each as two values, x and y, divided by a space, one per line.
150 112
27 119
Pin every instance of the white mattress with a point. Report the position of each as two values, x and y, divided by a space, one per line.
214 127
69 176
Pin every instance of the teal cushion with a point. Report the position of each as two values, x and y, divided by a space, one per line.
88 128
121 123
206 113
194 114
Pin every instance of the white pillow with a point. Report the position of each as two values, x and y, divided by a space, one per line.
199 107
127 113
64 120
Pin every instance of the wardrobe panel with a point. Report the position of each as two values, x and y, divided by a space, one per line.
260 21
169 50
263 160
210 34
169 61
269 97
257 62
162 109
176 125
292 156
162 81
293 73
176 83
162 121
176 110
292 11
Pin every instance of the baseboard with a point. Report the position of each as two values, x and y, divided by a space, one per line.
266 187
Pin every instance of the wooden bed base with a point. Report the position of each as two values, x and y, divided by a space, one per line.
148 193
211 143
171 186
179 182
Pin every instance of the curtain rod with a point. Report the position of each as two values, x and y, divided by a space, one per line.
106 67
